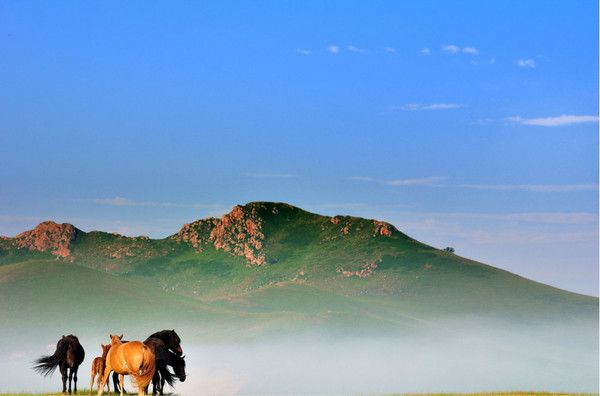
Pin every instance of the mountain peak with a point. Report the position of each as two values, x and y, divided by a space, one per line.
243 231
238 232
49 236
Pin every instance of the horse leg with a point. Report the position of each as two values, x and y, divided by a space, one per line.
105 380
63 373
70 379
76 368
93 375
121 380
155 384
115 378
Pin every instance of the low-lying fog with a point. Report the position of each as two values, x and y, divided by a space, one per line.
561 359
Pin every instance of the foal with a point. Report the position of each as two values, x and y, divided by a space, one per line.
98 366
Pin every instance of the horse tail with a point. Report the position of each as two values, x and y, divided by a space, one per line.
47 364
147 369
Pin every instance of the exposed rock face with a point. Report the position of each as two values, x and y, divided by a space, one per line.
49 236
238 232
383 228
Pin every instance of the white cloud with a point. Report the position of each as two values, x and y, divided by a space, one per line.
425 51
352 48
433 106
528 217
526 63
555 121
423 181
334 49
534 187
362 178
470 50
120 201
389 49
451 49
303 51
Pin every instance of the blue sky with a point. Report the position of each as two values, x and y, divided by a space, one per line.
464 123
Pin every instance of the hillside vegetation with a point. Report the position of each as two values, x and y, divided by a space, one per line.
267 266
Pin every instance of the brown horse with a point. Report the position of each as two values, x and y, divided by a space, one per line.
98 366
133 358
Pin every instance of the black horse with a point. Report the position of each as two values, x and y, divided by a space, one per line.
68 356
161 343
171 340
164 358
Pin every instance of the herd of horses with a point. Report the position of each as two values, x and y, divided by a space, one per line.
145 362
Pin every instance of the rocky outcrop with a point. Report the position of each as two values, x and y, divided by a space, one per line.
238 232
383 228
49 237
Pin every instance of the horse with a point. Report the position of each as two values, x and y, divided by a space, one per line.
98 366
133 358
69 354
164 358
178 364
170 339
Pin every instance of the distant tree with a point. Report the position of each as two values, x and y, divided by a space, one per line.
449 249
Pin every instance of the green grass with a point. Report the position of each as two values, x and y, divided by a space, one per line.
111 279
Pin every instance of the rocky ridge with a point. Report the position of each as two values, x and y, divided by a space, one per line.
49 237
238 232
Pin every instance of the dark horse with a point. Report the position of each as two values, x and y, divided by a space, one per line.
162 343
164 358
68 356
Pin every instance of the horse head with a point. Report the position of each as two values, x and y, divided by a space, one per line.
115 339
105 349
179 367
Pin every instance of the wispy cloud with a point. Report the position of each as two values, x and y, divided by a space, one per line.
434 106
362 178
422 181
527 217
451 49
334 49
120 201
389 49
534 187
526 63
555 121
303 51
455 49
470 50
352 48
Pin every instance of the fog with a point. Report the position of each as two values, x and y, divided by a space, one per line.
450 359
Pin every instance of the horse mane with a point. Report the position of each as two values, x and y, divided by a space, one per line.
168 376
46 365
163 335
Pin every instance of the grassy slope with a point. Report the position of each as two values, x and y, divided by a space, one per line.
413 283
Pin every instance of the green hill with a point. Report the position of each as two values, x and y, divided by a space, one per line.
266 266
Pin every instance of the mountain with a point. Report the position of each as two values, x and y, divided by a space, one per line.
275 266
